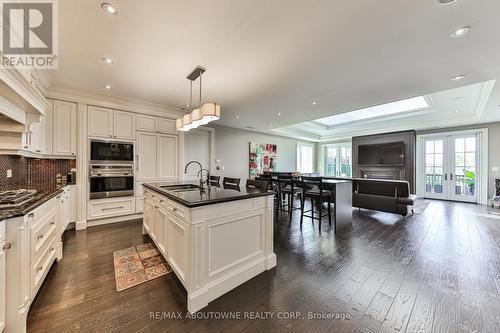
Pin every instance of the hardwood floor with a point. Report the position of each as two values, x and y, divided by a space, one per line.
434 272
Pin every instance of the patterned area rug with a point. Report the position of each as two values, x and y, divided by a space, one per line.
135 265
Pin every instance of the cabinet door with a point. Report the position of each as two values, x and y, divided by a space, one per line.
100 122
167 156
161 230
38 136
148 213
48 130
3 278
64 135
147 156
177 246
166 126
124 125
147 123
27 138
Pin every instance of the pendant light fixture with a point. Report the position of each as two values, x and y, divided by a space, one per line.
201 115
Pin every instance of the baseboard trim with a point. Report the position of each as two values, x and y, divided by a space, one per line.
81 225
116 219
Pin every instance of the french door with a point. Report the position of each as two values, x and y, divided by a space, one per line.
450 167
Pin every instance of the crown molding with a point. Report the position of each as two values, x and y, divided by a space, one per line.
112 102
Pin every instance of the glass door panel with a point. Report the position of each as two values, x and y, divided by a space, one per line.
331 161
450 167
434 166
464 169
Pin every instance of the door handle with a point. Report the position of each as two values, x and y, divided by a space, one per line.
451 176
137 162
445 176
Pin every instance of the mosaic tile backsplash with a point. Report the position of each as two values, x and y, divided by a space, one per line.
32 173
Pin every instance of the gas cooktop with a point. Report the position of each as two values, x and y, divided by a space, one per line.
16 198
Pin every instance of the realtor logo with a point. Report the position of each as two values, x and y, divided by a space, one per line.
29 33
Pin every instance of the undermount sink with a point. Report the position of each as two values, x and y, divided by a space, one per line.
181 187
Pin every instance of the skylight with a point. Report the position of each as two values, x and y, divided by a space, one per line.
406 105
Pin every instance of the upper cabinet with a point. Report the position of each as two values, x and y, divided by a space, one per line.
155 124
64 129
109 123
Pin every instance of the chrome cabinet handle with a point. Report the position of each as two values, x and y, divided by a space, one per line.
7 246
39 237
52 249
39 269
52 223
108 208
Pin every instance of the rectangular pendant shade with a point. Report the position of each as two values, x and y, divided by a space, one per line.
206 113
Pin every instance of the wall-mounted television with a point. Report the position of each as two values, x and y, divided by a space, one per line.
382 154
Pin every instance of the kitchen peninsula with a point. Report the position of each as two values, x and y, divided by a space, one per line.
214 238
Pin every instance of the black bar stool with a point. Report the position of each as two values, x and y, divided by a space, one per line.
287 186
313 188
214 180
255 183
231 181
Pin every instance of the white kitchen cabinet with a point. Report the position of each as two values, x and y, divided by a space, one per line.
100 122
109 123
161 229
147 156
154 124
166 126
156 156
33 245
147 123
3 247
110 207
64 129
48 129
167 156
124 125
27 141
72 202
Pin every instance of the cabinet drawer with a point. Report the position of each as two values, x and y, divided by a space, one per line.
176 210
42 232
40 268
101 208
147 123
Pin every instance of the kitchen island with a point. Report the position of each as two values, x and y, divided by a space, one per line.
214 239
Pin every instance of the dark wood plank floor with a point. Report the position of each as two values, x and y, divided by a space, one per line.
434 272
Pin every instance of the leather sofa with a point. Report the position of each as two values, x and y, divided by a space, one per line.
391 196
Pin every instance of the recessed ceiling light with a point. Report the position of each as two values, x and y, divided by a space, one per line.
279 113
457 111
109 8
270 125
314 103
458 77
446 2
236 117
108 61
460 32
107 86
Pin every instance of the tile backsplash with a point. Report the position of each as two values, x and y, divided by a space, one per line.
33 173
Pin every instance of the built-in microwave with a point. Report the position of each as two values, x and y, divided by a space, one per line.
108 181
111 152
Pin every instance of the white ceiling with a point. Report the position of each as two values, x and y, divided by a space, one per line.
264 57
453 107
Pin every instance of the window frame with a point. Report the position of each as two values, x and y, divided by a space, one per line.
309 145
338 167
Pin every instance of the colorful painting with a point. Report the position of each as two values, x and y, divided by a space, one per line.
262 158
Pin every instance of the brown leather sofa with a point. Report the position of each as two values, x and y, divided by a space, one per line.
391 196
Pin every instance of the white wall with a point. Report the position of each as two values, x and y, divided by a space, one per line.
232 148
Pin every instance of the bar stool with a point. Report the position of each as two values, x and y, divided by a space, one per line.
214 180
313 188
231 181
287 186
255 183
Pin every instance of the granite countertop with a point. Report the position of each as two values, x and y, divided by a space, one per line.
213 195
41 198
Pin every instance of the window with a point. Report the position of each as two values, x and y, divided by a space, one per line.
337 160
305 158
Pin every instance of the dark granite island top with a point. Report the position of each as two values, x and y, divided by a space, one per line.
211 195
